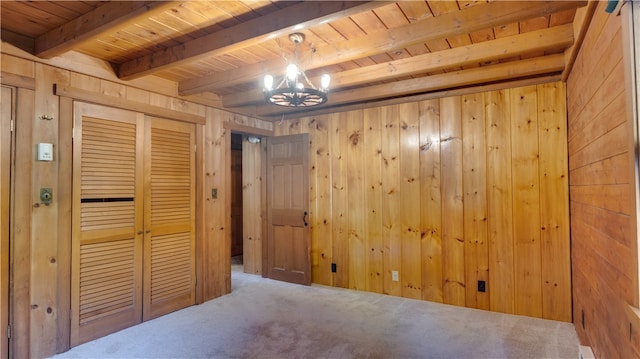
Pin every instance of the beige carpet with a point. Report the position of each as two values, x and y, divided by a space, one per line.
263 318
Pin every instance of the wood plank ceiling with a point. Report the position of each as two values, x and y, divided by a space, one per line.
376 52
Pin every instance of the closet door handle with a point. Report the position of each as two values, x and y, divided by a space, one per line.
304 218
139 233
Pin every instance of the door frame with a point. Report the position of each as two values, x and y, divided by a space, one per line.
232 127
6 204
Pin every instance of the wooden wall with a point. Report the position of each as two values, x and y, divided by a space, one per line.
603 219
447 192
42 234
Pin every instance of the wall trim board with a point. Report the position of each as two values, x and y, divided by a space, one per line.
65 163
246 130
7 78
631 41
100 99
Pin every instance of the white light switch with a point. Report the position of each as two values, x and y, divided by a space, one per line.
45 152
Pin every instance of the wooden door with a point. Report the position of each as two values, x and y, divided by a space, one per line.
169 219
288 248
6 107
106 280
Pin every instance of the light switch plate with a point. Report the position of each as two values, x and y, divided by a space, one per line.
45 152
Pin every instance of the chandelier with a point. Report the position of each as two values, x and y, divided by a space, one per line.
295 89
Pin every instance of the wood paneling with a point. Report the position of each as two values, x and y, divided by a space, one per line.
216 266
461 184
602 191
252 207
526 205
501 285
6 118
453 240
42 256
21 226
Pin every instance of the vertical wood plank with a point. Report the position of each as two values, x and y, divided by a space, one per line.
22 231
430 200
475 199
411 273
453 255
356 175
526 207
65 152
251 207
339 203
308 125
45 218
500 201
6 116
373 198
250 230
217 270
201 197
321 243
554 203
391 211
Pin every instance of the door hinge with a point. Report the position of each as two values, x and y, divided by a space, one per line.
73 132
12 124
8 332
195 148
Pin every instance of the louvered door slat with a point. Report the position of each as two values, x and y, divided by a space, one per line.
107 201
169 214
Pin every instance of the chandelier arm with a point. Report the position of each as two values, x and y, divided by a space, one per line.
308 81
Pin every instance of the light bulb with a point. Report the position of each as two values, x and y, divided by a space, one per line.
324 81
292 72
299 85
268 82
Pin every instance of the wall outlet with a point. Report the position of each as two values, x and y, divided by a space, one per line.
394 275
482 286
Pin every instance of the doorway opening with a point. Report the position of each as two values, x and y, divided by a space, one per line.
246 200
237 236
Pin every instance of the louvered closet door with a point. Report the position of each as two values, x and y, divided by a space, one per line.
169 241
107 207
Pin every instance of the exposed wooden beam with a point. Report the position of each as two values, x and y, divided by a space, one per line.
256 31
472 77
541 40
451 24
87 27
20 41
